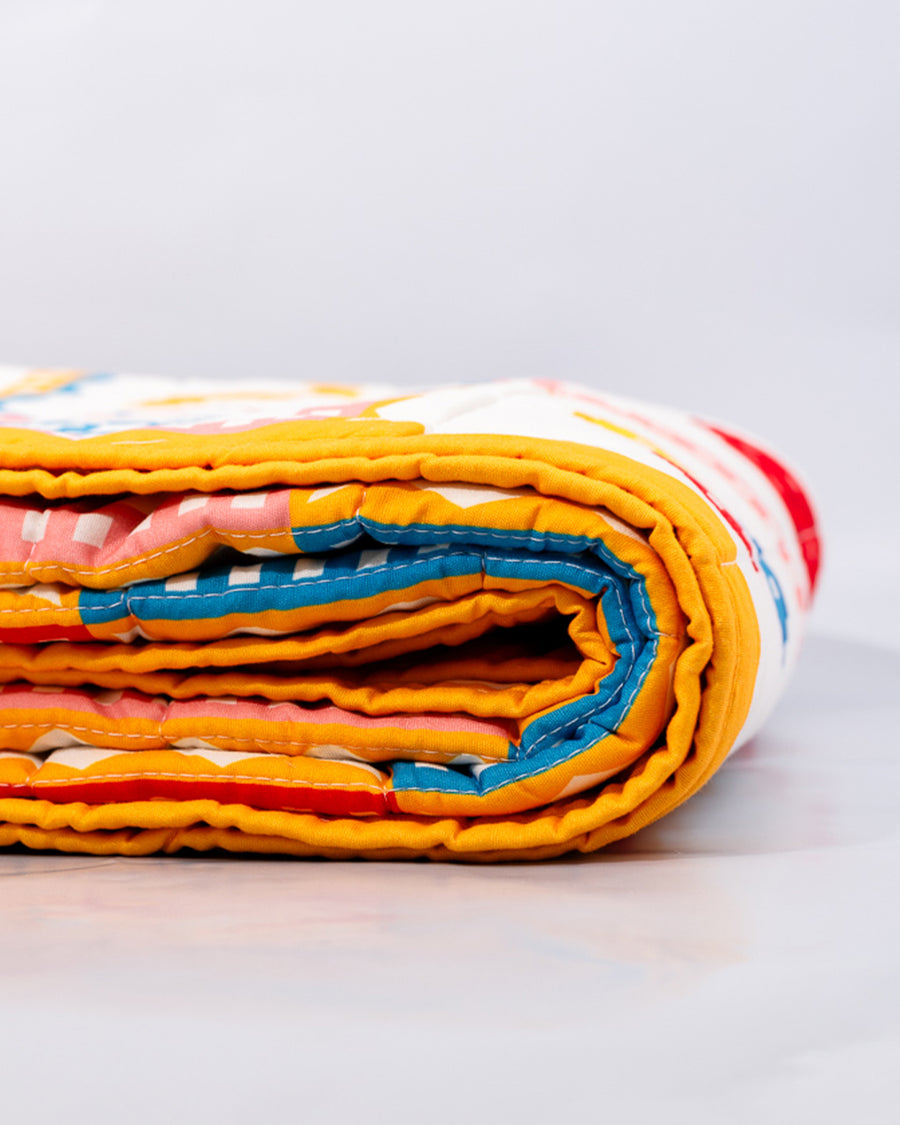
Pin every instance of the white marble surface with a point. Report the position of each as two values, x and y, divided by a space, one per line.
738 962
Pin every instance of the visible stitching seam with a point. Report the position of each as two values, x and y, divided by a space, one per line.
245 588
37 783
137 560
222 736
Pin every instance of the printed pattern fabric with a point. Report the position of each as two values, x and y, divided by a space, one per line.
494 621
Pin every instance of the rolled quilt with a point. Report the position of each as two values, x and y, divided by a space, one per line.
484 622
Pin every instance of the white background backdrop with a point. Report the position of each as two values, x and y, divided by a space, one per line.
692 202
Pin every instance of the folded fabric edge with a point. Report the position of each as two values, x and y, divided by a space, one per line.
626 488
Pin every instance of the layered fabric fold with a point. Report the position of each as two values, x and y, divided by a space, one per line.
485 622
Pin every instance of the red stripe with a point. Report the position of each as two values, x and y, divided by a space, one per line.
35 634
791 492
15 789
292 798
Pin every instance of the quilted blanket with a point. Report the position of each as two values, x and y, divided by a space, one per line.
484 622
